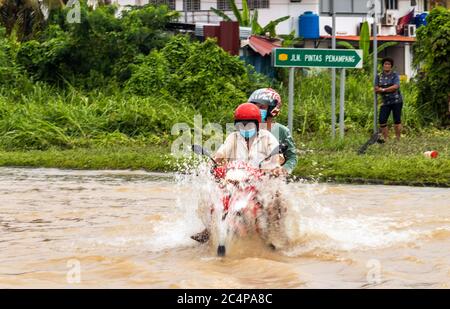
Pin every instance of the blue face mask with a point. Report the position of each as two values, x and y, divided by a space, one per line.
248 133
263 114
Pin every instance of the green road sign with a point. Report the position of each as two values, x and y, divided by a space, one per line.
323 58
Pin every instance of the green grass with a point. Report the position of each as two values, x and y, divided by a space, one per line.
119 157
390 163
320 159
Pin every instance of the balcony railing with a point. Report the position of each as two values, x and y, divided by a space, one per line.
202 16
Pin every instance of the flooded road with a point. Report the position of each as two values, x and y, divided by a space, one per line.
71 229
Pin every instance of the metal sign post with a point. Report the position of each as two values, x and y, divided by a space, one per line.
376 8
333 73
375 69
291 99
341 104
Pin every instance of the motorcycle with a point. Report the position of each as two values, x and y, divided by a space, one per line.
240 212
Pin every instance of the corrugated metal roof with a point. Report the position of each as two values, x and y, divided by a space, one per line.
262 45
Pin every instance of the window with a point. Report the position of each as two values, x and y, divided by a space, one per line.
169 3
258 4
391 4
358 7
191 5
223 5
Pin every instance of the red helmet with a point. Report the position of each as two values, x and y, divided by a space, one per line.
269 97
247 112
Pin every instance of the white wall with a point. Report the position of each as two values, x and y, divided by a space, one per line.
129 2
280 8
345 25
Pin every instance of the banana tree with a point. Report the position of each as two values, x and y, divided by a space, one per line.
364 45
244 18
247 19
290 40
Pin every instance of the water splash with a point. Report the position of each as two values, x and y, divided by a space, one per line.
319 219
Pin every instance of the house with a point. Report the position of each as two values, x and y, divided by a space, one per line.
350 14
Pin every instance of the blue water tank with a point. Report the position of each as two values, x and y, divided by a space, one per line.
308 25
420 20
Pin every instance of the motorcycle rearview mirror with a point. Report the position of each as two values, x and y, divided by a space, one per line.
197 149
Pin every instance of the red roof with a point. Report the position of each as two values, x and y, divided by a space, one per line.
262 45
395 38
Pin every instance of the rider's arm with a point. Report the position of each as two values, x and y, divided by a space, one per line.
290 155
224 152
272 143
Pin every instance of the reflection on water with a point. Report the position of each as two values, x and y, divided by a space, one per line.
69 228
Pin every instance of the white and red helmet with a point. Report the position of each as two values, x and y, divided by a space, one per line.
269 97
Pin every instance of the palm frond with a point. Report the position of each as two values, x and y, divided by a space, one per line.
385 45
245 14
235 10
256 27
364 39
221 14
345 44
271 26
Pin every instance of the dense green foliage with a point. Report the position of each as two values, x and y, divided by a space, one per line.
96 51
432 56
113 80
201 75
66 119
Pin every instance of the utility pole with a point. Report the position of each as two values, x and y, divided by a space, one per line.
185 11
374 7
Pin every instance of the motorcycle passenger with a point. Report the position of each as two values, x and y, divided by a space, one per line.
269 103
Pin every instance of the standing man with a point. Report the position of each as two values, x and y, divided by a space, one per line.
388 86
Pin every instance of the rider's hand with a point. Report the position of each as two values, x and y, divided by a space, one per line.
279 171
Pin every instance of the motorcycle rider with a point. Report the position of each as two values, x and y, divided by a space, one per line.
249 143
269 103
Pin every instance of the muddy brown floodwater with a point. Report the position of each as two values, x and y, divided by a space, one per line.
70 228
